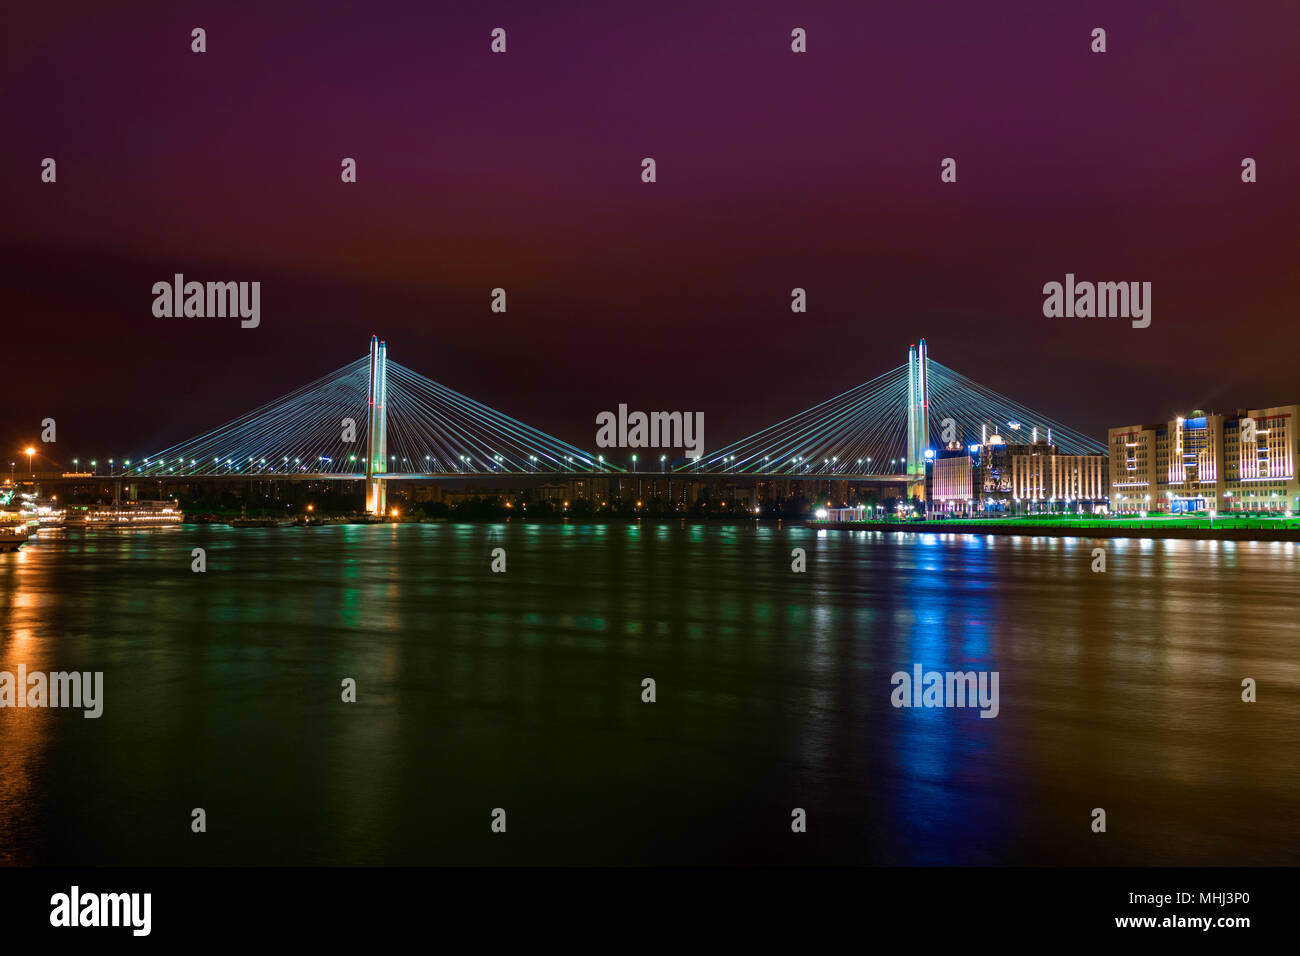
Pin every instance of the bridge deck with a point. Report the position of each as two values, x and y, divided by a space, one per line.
441 475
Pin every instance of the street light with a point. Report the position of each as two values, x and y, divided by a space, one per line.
30 451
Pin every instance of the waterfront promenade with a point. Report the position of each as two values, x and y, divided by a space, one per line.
1195 528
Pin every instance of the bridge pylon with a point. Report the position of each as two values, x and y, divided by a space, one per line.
918 417
377 431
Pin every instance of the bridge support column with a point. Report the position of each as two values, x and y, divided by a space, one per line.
918 418
377 448
377 496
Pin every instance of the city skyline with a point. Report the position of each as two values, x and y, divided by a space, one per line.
844 448
625 457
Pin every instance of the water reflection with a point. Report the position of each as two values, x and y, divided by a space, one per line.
524 690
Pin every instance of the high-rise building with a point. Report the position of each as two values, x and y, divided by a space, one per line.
1243 462
952 481
1043 474
1015 477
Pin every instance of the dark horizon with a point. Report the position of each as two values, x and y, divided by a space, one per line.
522 171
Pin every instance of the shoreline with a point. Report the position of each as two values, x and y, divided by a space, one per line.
1140 529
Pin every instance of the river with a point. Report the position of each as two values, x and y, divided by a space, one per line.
522 690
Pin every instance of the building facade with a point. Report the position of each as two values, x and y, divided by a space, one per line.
952 477
1047 475
1016 478
1244 462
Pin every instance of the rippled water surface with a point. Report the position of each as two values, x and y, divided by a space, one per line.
522 690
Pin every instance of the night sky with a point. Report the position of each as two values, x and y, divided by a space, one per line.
522 171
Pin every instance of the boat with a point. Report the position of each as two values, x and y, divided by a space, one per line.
12 538
137 514
260 522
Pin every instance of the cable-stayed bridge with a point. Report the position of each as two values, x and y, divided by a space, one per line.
884 427
377 420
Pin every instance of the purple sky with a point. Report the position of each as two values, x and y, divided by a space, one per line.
522 171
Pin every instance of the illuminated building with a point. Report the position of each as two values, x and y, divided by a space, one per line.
1243 462
1015 477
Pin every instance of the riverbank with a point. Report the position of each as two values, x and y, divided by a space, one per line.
1230 529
